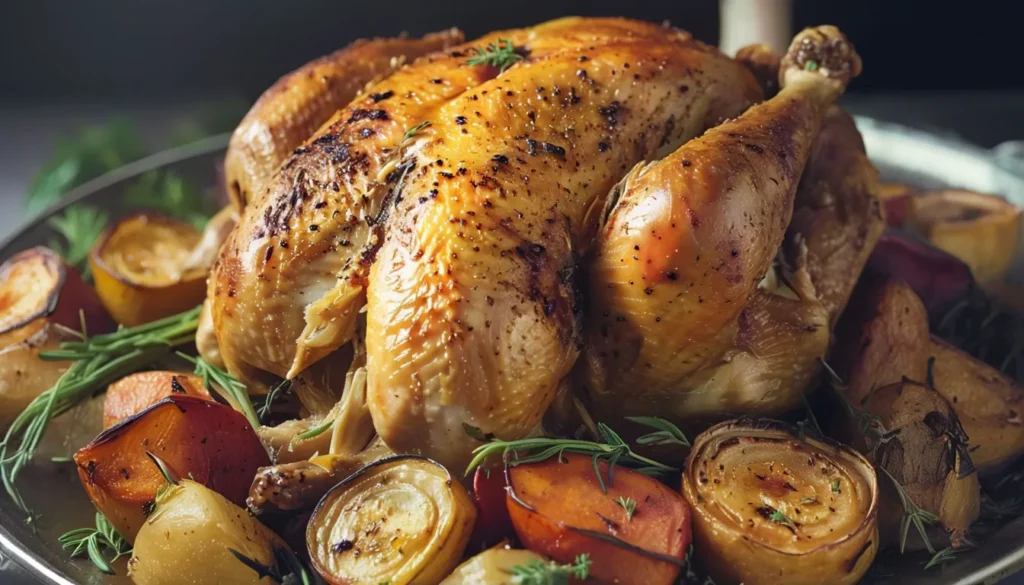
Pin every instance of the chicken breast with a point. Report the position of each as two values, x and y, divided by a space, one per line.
682 323
473 313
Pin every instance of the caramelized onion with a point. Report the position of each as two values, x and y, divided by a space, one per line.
140 267
772 507
403 520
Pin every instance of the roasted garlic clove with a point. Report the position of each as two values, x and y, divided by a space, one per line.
924 449
140 269
403 520
771 506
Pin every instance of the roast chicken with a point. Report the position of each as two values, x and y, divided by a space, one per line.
495 210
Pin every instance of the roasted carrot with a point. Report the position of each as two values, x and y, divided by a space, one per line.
635 533
136 392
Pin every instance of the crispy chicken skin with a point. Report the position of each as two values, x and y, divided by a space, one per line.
292 276
473 315
297 104
682 323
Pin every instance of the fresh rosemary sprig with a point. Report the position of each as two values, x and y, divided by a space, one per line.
628 505
315 431
94 542
415 130
912 515
79 226
538 572
666 433
612 449
96 362
275 392
689 575
943 556
501 55
217 380
169 193
980 326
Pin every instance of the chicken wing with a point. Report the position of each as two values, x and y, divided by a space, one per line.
473 309
682 323
297 104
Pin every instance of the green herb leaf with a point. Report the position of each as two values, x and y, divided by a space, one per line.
538 572
779 517
628 505
95 542
275 392
79 226
228 386
415 130
811 66
942 557
96 362
835 486
315 431
666 433
613 450
501 55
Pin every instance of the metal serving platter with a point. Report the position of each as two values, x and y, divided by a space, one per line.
53 490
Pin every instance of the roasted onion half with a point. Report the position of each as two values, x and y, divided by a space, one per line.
403 520
141 268
770 506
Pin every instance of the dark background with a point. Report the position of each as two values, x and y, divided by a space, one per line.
73 51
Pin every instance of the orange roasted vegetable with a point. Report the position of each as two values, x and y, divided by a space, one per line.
559 510
209 442
137 392
141 267
42 303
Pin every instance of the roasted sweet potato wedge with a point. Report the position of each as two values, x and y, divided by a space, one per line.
141 268
559 510
207 441
982 230
135 393
990 406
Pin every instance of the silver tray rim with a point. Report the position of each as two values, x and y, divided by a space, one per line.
960 164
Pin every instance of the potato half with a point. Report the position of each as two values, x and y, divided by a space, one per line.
403 520
982 230
187 541
772 507
492 567
140 268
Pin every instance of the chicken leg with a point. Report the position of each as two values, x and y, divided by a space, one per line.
678 274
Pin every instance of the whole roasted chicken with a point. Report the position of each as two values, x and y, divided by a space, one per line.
468 220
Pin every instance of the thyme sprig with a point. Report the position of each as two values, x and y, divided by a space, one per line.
538 572
912 515
282 387
945 555
94 542
628 505
79 227
413 131
96 362
220 381
501 55
612 449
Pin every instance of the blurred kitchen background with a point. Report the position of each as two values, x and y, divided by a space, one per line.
101 83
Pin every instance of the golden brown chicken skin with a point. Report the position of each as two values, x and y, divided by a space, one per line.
682 323
296 105
473 316
291 279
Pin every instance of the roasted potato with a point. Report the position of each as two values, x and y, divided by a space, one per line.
558 509
197 438
988 404
982 230
925 450
770 506
43 302
135 393
492 567
188 539
402 520
139 265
